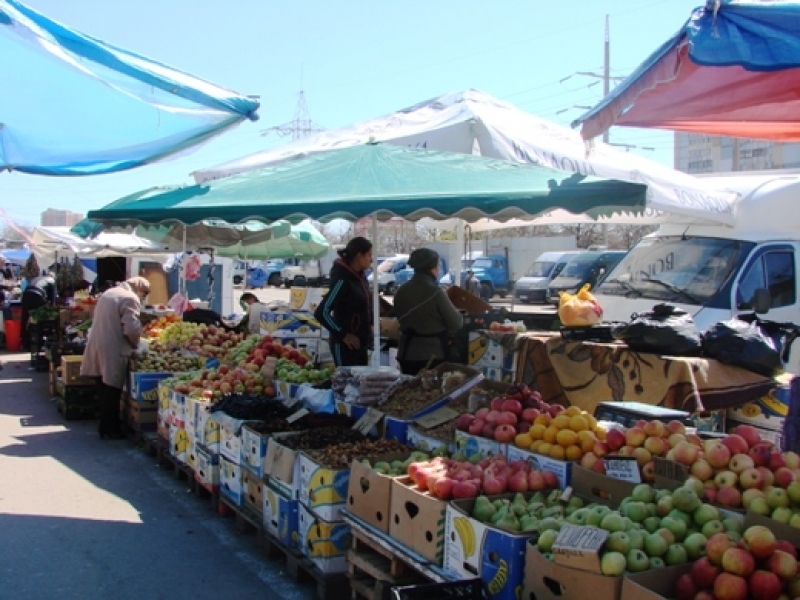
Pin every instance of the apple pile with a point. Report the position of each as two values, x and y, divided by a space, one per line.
257 349
523 418
203 340
215 383
525 515
163 361
757 566
452 479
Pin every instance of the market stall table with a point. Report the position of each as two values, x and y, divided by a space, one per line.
583 373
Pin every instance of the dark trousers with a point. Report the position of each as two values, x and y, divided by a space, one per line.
32 298
346 357
413 367
108 398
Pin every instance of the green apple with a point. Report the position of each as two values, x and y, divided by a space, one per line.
618 542
795 520
613 522
575 502
655 545
676 526
760 506
732 524
694 484
652 509
578 517
682 516
695 545
793 489
676 555
635 511
777 497
664 506
662 493
637 538
549 523
712 528
637 561
596 514
782 514
613 564
643 493
685 499
734 536
547 539
705 513
652 524
656 562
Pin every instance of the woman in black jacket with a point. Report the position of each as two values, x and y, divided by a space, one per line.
346 310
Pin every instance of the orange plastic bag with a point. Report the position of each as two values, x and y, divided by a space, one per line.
579 310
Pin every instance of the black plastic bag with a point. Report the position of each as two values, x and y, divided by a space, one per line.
742 344
667 329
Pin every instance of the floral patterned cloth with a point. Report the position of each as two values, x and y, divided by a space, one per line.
585 373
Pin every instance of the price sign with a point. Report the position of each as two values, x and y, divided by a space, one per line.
370 418
437 417
289 402
624 468
298 415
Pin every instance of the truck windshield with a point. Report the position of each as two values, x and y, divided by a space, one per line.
676 268
482 263
579 267
387 266
541 269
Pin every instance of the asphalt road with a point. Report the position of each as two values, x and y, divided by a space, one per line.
84 518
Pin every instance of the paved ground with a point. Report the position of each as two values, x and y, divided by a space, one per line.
84 518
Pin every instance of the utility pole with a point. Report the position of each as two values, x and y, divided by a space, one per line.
606 69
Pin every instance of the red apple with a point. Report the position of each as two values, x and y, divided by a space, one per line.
783 564
497 403
764 585
704 573
529 414
512 405
783 477
739 462
685 588
717 454
776 461
729 496
716 546
760 541
738 561
615 439
730 587
760 453
749 433
736 444
751 479
786 546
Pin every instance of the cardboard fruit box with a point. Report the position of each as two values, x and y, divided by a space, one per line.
596 487
324 542
562 468
657 584
369 495
279 514
417 520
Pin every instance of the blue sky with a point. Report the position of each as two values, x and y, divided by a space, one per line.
356 60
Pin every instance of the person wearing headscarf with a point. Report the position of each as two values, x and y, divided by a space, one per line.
251 323
40 292
428 319
113 338
346 310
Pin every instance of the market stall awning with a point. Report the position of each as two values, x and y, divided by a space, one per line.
733 69
380 180
473 122
74 105
303 242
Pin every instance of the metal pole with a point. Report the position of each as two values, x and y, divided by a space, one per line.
376 302
606 80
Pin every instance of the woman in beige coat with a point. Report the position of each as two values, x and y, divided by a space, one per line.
114 336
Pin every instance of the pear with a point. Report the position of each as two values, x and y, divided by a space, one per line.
483 510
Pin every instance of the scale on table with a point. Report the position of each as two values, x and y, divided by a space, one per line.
628 413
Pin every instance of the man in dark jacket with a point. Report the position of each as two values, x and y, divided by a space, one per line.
40 292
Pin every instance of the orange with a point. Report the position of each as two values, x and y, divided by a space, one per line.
600 433
542 419
574 453
544 448
523 440
561 421
550 434
578 423
572 411
591 420
535 445
566 437
558 452
537 431
586 440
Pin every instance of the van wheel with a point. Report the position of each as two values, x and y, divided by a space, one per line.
237 279
299 282
486 291
274 280
389 291
502 294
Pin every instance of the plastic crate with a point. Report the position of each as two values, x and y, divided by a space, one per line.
469 588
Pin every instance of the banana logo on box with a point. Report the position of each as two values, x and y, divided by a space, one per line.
466 534
476 349
211 432
772 404
297 297
181 442
498 582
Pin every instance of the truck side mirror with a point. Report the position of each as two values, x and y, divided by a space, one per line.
762 301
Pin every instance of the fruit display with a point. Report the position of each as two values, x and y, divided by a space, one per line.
449 478
154 327
164 361
396 468
409 397
521 417
286 369
755 566
203 340
523 515
215 383
342 454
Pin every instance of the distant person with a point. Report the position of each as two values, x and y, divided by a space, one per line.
113 338
39 292
428 320
346 310
472 284
253 307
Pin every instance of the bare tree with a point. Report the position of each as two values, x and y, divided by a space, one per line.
626 236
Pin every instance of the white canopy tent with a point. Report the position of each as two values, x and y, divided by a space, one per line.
473 122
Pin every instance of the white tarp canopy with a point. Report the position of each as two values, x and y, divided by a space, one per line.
473 122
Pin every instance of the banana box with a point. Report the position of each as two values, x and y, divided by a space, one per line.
206 468
369 493
230 481
548 580
475 549
289 324
306 299
472 445
144 386
206 429
178 442
177 409
325 543
500 374
191 453
562 468
769 411
163 416
322 490
483 351
254 448
190 425
279 465
230 437
417 520
279 515
253 491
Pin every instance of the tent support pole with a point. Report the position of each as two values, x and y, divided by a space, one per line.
376 303
182 279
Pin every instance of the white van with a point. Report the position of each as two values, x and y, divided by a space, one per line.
713 271
532 288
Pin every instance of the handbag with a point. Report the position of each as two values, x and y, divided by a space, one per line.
666 329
